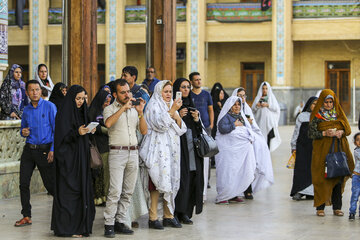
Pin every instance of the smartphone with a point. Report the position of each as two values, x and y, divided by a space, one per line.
247 116
178 95
136 102
91 126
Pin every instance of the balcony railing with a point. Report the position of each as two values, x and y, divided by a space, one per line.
54 17
326 9
138 13
237 12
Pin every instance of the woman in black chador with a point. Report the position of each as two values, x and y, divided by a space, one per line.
302 144
73 207
190 193
58 94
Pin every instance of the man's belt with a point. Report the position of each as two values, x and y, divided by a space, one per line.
38 147
125 147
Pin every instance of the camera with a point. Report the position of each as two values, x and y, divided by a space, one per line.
136 102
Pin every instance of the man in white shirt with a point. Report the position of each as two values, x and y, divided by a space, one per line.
122 118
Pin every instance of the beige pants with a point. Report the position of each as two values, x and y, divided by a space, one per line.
123 166
154 196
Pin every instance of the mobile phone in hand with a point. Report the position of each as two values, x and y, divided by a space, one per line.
136 102
178 95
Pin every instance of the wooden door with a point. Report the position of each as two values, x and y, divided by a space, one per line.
338 80
251 79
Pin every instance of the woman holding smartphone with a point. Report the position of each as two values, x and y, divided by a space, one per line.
73 206
190 194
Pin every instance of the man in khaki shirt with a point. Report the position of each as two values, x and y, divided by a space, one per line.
122 118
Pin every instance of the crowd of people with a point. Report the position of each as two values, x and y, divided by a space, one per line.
145 138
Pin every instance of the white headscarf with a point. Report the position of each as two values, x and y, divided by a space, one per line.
271 98
37 78
157 100
227 107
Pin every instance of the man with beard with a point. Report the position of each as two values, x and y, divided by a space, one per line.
122 119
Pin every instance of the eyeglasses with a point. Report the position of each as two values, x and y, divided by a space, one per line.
184 87
149 71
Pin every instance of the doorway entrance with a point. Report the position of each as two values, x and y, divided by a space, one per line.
252 75
338 79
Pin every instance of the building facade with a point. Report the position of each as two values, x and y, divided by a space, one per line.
299 47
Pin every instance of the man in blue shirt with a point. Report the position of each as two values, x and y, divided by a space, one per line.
150 79
203 103
38 126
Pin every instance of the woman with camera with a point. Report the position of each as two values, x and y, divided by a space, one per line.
190 193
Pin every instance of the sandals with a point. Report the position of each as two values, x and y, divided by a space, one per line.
320 213
23 222
249 196
338 213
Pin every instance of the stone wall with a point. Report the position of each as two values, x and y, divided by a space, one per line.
11 146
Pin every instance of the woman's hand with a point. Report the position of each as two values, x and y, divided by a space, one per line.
176 105
83 130
258 105
264 104
250 120
339 133
183 112
329 133
219 104
195 115
238 123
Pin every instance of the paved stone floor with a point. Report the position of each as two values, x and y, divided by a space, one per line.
271 215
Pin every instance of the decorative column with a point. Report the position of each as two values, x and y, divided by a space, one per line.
115 48
282 44
3 37
38 22
195 43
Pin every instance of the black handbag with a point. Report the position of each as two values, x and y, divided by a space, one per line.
336 162
205 145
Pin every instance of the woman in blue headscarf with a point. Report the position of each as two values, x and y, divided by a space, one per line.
13 98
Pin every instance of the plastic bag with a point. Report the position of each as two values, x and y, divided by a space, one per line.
291 162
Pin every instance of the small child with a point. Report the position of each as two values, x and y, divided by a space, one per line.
355 187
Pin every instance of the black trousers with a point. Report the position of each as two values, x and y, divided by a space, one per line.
29 159
336 198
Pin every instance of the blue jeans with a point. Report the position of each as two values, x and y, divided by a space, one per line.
355 193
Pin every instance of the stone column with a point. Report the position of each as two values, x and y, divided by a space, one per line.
38 22
282 44
195 42
3 38
115 48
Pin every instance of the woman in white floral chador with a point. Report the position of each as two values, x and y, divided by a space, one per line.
160 151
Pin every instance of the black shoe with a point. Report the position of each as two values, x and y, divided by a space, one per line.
297 197
156 225
208 186
351 216
171 222
123 229
185 220
109 231
249 196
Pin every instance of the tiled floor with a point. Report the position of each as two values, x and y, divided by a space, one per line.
271 215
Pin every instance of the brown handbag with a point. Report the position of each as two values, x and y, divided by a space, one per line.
95 157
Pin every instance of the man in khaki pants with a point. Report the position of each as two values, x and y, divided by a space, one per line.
122 118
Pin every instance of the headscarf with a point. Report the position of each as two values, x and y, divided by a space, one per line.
57 96
156 101
187 102
48 78
11 92
308 103
227 107
70 117
271 99
215 90
96 107
236 90
336 113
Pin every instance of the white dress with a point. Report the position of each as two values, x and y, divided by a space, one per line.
160 148
268 117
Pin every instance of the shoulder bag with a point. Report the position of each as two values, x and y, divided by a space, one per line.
95 157
205 145
336 162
